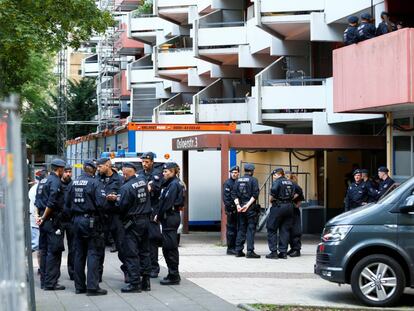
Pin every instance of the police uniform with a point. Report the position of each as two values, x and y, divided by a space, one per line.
135 209
280 216
86 199
50 195
385 26
67 227
356 194
112 223
231 212
295 232
384 185
244 189
371 187
154 178
171 200
366 30
351 32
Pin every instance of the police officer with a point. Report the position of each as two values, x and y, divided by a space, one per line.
386 25
295 232
135 209
85 201
385 181
171 200
357 193
67 221
154 180
366 30
49 202
351 32
245 194
231 210
371 186
111 181
282 194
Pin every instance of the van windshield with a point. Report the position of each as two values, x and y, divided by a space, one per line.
395 195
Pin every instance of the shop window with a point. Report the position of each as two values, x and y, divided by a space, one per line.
402 155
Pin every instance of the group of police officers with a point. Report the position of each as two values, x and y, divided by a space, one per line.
364 190
355 32
240 196
101 202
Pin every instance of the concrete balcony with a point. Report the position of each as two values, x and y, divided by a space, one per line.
90 66
177 109
222 101
376 75
298 20
177 11
141 71
144 28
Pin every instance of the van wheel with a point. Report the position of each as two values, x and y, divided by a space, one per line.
378 280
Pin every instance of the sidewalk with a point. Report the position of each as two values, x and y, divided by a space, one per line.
214 281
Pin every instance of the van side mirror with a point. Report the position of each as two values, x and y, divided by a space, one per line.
408 205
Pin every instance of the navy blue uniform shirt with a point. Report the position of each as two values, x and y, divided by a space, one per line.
49 194
356 195
384 186
283 190
155 178
245 188
227 188
366 31
134 197
351 35
111 185
85 195
172 195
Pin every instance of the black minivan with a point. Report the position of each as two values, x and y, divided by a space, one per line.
372 248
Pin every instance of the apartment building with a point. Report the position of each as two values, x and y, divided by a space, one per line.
270 67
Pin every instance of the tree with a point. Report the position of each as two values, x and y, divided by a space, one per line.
81 105
31 29
39 123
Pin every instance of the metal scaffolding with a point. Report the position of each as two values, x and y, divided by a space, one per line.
62 109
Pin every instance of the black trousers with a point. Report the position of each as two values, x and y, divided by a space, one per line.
116 228
170 225
137 254
51 247
296 231
246 229
88 249
280 218
231 229
68 229
155 267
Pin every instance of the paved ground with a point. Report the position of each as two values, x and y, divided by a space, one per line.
214 281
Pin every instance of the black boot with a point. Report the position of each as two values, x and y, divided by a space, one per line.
171 280
240 254
131 288
252 255
146 283
282 256
56 287
295 253
231 251
272 255
96 292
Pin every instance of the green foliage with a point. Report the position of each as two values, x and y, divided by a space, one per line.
33 27
39 122
144 9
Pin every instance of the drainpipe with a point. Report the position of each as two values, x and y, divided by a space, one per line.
390 154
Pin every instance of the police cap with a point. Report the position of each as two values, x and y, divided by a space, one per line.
89 163
364 171
129 165
383 169
366 16
58 163
352 19
41 174
234 168
148 155
68 167
101 161
248 167
385 14
279 170
357 171
170 165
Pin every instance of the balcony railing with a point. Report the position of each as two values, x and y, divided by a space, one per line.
222 24
293 82
233 100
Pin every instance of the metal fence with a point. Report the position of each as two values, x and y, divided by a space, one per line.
16 271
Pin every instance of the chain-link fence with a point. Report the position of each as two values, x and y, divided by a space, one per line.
16 273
